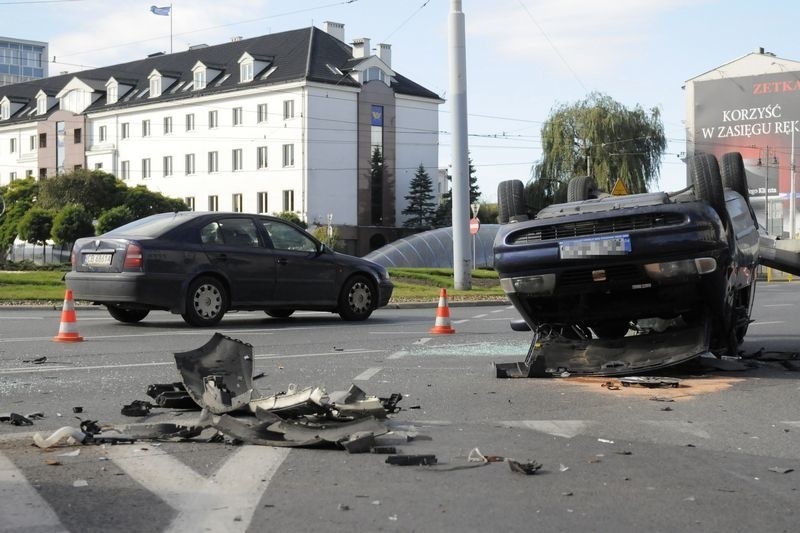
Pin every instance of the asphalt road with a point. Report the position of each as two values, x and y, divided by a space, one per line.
713 459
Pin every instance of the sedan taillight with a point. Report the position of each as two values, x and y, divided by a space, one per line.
133 257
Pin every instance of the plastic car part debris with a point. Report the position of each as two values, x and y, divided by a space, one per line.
77 409
16 419
35 416
137 408
651 382
529 468
171 396
69 434
293 403
36 361
390 403
218 375
411 460
781 470
361 442
391 450
661 399
354 403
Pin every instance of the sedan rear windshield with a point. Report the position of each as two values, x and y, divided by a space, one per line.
154 226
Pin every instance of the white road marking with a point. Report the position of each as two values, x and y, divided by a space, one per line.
481 316
150 334
367 374
778 305
759 323
320 354
498 310
225 501
423 340
6 317
681 427
398 332
21 506
398 355
557 428
461 321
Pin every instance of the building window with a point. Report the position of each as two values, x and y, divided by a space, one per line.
12 145
113 91
236 159
12 176
29 173
189 201
146 168
167 125
190 122
41 106
32 142
103 133
126 130
246 71
212 119
77 136
199 79
125 170
236 203
167 165
42 140
288 200
213 203
261 161
155 87
77 167
213 162
237 116
189 164
288 109
145 128
261 112
42 173
288 155
5 111
263 204
98 166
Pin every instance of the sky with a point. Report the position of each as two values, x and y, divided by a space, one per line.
524 57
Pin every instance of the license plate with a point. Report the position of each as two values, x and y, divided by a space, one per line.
97 259
595 246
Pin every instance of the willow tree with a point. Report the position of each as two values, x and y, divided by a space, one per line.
602 138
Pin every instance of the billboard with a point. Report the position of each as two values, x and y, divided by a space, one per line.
758 116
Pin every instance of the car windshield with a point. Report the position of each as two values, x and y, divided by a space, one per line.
151 226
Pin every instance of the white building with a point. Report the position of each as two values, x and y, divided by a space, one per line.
282 122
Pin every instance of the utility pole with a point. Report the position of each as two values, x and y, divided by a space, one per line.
462 260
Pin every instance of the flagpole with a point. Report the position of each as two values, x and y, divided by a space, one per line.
170 28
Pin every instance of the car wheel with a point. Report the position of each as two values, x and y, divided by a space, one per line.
128 316
206 302
510 201
611 330
581 188
356 301
279 313
704 170
731 169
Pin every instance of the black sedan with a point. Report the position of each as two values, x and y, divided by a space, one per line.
200 265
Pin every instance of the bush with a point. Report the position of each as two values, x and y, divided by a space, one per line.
36 225
114 218
72 223
291 216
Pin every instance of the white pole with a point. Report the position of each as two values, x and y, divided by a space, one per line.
170 28
792 194
462 268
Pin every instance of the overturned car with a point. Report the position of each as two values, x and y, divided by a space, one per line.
619 284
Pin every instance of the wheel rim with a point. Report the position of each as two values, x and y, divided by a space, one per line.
207 301
360 298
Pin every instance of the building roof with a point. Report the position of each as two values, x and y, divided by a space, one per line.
296 55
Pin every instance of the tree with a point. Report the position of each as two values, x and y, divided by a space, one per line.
143 202
114 218
36 225
95 190
444 213
19 196
421 208
377 175
600 137
291 216
72 223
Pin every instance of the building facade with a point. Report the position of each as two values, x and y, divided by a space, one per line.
22 60
283 122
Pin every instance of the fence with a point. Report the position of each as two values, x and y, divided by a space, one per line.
47 254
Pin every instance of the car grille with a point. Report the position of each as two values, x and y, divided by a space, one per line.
596 227
613 274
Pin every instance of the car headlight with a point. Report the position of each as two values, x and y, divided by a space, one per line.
675 269
542 284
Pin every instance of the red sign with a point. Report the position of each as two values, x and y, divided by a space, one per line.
474 225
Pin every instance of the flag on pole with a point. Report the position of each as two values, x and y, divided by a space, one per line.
163 11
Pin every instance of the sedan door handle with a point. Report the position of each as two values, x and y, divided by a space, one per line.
282 261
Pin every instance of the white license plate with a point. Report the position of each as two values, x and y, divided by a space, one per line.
97 259
595 246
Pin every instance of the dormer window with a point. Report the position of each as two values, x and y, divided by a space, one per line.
5 110
374 73
246 72
112 93
41 104
199 79
155 86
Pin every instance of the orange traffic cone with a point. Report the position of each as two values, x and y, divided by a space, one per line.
68 331
442 324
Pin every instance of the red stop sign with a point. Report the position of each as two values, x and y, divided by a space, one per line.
474 225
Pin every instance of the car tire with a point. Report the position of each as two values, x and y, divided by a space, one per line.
279 313
357 299
704 171
126 315
581 188
734 177
510 201
206 302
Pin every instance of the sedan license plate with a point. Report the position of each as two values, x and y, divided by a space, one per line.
97 259
595 246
